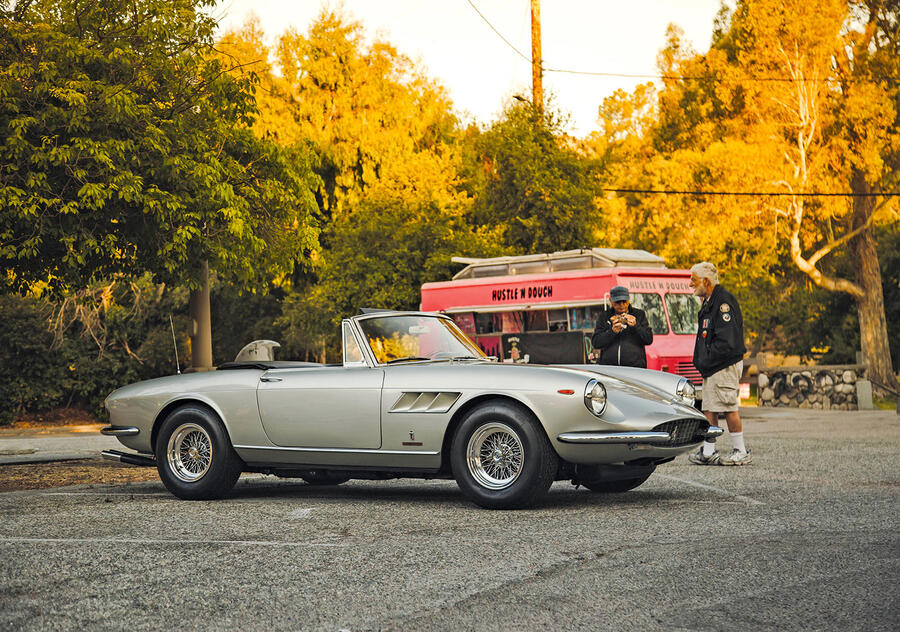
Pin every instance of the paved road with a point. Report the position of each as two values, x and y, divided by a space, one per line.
806 538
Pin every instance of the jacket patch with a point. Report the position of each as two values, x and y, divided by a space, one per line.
726 317
705 324
724 308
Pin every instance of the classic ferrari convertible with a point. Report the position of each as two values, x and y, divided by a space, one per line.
413 397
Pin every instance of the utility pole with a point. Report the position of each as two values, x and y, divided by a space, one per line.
537 89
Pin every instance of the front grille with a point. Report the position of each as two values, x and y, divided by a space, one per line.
683 431
688 370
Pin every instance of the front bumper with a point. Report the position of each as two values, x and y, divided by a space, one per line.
647 437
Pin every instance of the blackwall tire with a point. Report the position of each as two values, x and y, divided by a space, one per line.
194 455
501 457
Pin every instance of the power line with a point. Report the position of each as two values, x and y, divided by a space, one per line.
499 34
751 193
621 75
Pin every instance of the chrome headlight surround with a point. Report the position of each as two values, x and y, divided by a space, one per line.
685 391
595 397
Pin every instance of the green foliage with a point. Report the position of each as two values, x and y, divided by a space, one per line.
365 108
534 186
381 254
241 318
75 351
125 147
829 321
29 375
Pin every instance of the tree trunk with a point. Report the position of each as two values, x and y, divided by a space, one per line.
201 329
872 323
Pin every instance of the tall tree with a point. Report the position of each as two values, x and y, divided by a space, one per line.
125 147
365 108
837 120
533 183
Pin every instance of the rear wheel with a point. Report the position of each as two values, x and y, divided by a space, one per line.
501 457
194 455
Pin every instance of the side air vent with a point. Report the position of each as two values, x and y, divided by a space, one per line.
429 402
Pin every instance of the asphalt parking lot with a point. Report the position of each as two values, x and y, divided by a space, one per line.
804 539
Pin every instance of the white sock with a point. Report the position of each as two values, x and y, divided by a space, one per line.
708 448
737 441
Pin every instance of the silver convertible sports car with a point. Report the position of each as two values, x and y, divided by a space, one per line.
413 397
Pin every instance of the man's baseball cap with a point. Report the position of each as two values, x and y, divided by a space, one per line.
618 293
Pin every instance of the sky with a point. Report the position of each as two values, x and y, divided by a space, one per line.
456 47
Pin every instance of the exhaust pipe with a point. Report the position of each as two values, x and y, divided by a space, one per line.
130 458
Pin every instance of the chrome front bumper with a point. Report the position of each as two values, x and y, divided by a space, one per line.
649 437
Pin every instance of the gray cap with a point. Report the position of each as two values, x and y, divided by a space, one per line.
619 293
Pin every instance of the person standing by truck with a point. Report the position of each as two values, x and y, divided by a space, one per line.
622 332
719 356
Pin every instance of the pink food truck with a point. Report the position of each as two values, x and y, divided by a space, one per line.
542 308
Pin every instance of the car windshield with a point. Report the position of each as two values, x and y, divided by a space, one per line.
416 337
683 309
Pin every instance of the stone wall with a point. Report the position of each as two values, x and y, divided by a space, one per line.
825 387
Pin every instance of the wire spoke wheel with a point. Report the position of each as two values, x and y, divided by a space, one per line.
189 452
495 455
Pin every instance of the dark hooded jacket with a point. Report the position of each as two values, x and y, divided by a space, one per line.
625 348
720 333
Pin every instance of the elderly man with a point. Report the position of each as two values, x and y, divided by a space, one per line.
622 332
718 355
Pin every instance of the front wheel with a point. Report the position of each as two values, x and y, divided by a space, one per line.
501 457
194 455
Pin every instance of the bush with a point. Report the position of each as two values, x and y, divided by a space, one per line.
76 352
31 377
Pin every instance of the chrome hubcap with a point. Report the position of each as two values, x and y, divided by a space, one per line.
189 452
495 456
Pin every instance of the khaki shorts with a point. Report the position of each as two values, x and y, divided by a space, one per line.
720 390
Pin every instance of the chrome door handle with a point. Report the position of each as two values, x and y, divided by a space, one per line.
270 379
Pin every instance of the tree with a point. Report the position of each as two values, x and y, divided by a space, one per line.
125 147
365 108
532 183
797 97
837 121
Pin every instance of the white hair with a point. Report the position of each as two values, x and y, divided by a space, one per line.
705 270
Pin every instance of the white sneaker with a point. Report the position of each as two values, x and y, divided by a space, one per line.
737 457
698 458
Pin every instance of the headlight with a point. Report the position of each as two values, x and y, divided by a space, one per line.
595 397
686 391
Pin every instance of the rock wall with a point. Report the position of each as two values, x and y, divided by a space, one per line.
827 387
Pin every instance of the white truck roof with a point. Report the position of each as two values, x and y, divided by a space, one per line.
581 259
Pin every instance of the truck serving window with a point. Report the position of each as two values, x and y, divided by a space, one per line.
683 309
653 306
585 317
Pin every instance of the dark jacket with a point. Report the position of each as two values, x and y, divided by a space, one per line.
720 333
625 348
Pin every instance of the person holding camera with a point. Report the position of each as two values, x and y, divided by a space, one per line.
719 356
622 332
